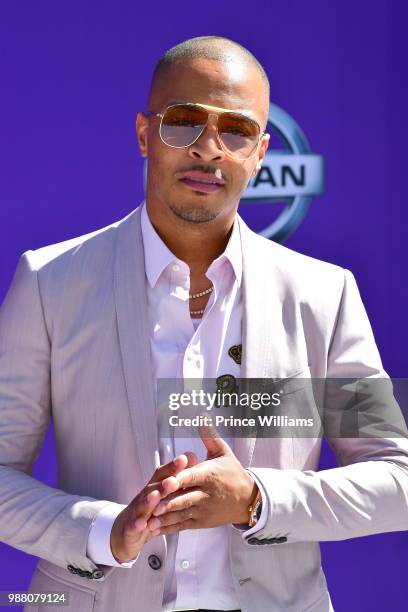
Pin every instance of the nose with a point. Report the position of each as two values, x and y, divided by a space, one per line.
208 147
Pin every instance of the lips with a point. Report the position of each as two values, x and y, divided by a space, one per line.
201 181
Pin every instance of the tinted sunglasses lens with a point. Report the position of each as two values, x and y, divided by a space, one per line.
181 125
240 135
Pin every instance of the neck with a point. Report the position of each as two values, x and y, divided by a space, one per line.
197 244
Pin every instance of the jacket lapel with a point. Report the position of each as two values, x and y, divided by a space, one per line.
262 316
131 311
270 311
252 346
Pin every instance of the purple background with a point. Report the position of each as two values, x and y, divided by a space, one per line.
73 75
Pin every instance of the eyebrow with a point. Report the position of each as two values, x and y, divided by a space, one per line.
176 101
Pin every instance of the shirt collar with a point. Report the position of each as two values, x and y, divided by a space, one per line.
158 256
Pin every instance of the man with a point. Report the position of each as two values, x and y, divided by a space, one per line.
175 290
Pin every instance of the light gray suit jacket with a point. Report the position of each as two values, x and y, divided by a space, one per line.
74 346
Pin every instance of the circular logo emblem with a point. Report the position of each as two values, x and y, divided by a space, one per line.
292 175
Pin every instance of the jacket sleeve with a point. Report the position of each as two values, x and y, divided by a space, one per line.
38 519
368 493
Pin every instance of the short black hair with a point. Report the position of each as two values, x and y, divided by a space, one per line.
209 47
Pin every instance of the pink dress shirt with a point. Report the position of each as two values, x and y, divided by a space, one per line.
187 348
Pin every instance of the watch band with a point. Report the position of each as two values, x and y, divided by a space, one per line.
255 509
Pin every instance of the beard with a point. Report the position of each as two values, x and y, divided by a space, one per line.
195 214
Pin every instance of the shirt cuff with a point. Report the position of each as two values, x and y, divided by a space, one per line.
98 545
261 522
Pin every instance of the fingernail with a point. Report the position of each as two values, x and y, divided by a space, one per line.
159 510
156 532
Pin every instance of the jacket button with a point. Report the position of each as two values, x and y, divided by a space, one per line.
97 574
252 540
154 562
84 573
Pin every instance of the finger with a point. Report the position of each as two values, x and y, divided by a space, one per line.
193 477
168 486
192 458
170 469
180 501
149 535
213 442
144 510
174 467
167 530
172 518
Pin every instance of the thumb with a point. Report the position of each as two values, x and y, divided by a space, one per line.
215 445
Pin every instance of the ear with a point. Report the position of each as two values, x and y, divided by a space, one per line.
261 153
142 125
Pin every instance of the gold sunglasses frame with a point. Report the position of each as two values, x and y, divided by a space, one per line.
215 111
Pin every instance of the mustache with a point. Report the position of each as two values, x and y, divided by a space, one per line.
204 168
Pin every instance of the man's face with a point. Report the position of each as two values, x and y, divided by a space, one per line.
233 86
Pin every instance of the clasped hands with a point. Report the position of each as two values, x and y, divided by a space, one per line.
185 494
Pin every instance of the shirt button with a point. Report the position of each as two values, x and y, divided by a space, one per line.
176 268
185 564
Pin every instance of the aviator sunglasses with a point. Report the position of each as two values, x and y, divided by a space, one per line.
182 124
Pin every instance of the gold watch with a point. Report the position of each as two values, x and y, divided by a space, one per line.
254 510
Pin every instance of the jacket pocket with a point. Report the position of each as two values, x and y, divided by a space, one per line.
77 597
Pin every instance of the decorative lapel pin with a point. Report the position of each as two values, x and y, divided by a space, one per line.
226 383
235 352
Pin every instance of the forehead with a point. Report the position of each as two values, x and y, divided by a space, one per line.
231 84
